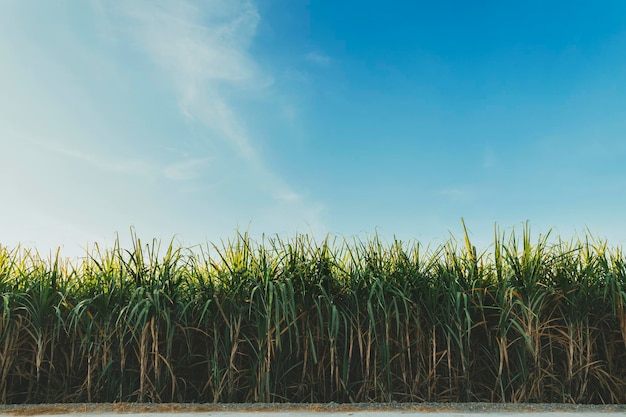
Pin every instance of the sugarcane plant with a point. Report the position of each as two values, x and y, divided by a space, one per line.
296 320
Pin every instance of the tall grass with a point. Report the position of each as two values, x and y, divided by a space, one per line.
304 321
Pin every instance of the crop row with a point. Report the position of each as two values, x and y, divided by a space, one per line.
300 321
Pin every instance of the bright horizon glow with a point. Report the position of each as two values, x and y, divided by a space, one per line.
195 119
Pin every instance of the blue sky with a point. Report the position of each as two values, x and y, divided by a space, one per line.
196 118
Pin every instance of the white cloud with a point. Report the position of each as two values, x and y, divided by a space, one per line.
186 169
202 48
288 195
55 150
456 193
318 59
203 51
90 143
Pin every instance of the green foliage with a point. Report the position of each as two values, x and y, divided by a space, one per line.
298 321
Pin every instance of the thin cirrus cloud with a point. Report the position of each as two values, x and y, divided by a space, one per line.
204 62
318 59
139 123
186 169
201 59
457 194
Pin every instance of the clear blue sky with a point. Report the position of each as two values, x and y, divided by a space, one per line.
195 118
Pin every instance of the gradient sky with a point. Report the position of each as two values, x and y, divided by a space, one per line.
196 118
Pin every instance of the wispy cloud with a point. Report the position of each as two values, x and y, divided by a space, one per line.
203 52
202 49
151 99
458 194
318 59
136 166
185 170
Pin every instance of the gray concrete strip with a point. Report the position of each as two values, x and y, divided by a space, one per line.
387 413
315 410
